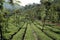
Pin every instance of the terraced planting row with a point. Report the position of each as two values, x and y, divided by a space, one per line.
16 31
33 31
40 34
26 33
12 31
57 31
54 29
50 32
20 35
51 25
29 34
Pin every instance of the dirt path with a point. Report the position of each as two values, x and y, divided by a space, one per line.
36 37
34 33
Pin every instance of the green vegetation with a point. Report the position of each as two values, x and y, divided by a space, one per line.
20 34
40 34
29 33
31 22
50 32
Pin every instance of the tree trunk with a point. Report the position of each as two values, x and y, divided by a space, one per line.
1 33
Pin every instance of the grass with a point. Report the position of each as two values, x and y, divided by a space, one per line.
50 33
53 29
51 25
11 30
19 35
40 34
50 28
29 34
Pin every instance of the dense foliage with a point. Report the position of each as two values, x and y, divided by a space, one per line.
11 21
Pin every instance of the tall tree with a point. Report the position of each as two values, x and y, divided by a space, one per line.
46 4
1 19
